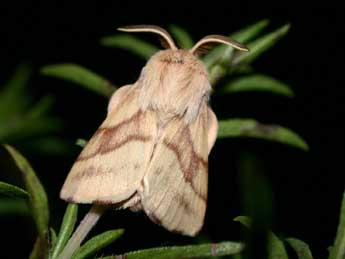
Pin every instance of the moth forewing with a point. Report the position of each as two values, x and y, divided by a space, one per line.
111 166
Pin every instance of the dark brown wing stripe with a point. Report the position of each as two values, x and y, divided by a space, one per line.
107 140
195 161
110 148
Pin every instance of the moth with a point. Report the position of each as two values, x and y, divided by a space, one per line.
151 151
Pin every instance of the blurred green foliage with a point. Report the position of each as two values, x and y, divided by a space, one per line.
26 122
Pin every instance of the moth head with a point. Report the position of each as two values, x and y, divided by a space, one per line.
175 80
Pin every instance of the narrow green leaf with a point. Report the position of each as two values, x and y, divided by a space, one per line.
18 80
13 191
254 183
301 248
250 32
41 107
81 142
252 128
130 43
258 82
81 76
276 247
38 201
25 126
244 220
260 45
205 239
66 229
190 251
10 206
223 53
13 99
96 243
52 238
182 37
338 249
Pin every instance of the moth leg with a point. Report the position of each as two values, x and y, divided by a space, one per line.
117 96
212 129
133 203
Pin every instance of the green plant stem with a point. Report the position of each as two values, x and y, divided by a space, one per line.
81 232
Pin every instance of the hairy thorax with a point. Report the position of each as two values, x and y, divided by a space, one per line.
174 83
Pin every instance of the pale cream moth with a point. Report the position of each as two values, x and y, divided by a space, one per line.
151 152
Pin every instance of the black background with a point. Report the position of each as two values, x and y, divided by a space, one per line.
307 186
